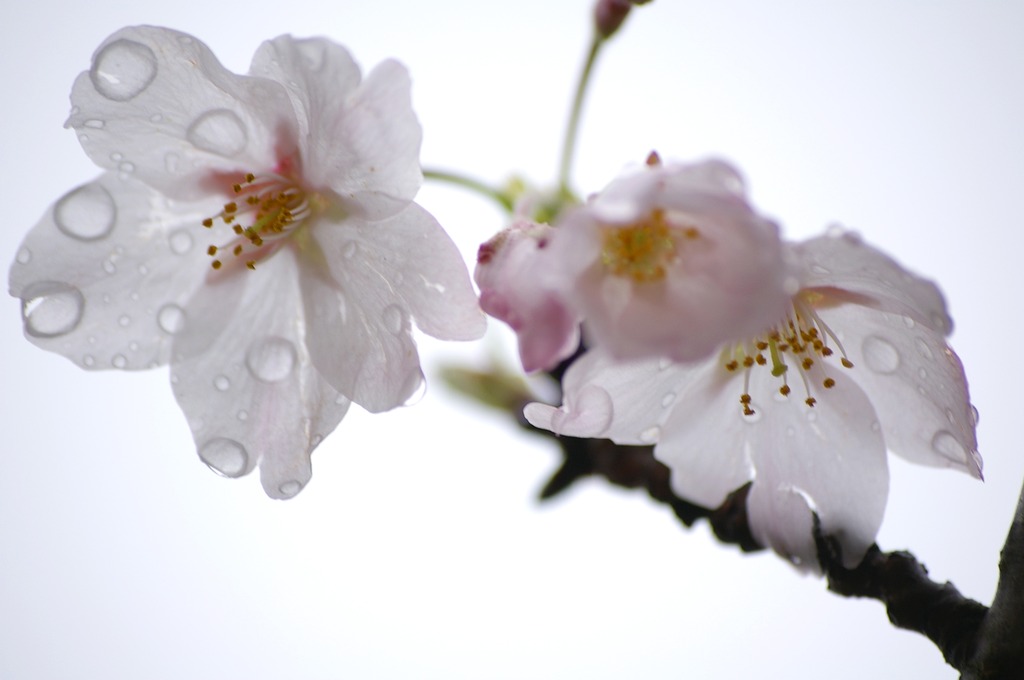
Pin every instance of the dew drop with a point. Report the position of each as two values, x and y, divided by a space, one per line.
24 256
394 319
109 267
88 361
126 167
86 213
290 489
116 156
790 432
225 456
975 416
143 269
350 249
50 309
923 349
94 123
222 383
416 387
133 346
922 373
243 415
271 359
124 321
219 131
156 118
880 355
171 318
941 322
818 269
650 435
181 242
946 445
908 322
123 69
812 415
835 230
119 361
950 417
668 400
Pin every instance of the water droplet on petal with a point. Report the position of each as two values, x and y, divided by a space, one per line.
415 387
225 456
271 359
812 415
126 167
975 416
124 321
922 373
51 308
109 267
116 156
650 435
24 256
133 346
947 446
908 322
219 131
394 319
243 415
86 213
222 383
181 242
880 355
941 322
290 489
923 349
950 417
663 364
818 269
119 361
835 230
156 118
88 361
171 318
123 69
94 124
668 400
349 250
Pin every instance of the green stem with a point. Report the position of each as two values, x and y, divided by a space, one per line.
572 130
502 198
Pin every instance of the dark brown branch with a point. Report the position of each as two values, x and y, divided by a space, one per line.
913 601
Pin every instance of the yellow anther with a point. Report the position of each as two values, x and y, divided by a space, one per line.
216 264
807 363
784 390
211 251
238 250
761 361
744 398
251 264
208 222
230 207
810 401
748 361
846 362
732 365
829 383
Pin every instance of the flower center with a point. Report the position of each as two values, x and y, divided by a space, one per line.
267 209
800 340
644 250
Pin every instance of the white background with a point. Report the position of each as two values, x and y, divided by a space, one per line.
418 550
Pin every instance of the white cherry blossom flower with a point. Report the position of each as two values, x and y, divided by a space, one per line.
804 409
669 260
256 231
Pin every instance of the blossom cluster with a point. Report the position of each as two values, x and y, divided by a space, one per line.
741 357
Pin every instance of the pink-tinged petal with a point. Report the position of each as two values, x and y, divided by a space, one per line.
320 77
372 160
105 275
916 382
409 263
157 104
253 397
623 401
844 265
830 459
358 331
515 287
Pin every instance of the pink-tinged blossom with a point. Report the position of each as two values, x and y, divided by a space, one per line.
516 287
804 409
258 232
670 261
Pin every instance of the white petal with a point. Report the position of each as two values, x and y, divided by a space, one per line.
358 328
622 401
916 383
844 264
253 396
105 275
371 157
157 104
411 258
830 459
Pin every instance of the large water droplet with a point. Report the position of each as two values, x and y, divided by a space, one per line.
88 361
650 435
119 361
219 131
225 456
271 359
123 69
86 213
171 318
222 383
880 355
51 308
290 489
947 446
394 319
181 242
